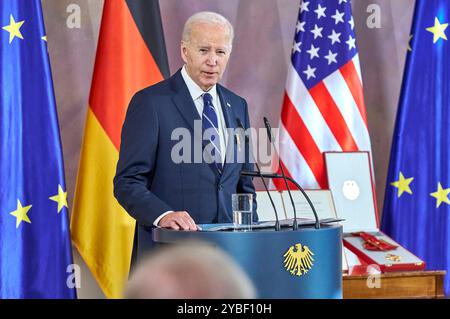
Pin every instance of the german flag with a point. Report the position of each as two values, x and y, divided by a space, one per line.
131 55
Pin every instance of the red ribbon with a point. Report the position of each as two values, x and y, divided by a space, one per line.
373 243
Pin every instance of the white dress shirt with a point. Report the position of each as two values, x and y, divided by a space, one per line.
197 96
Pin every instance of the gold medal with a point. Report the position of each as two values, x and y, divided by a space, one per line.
394 258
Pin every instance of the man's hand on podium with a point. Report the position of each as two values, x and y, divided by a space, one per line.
178 220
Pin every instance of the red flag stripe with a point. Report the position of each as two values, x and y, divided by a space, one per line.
343 99
308 111
303 140
121 56
294 160
351 77
333 117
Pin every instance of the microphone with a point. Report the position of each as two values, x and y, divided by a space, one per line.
269 134
258 171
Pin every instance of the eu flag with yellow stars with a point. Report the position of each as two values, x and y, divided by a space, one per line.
417 200
35 248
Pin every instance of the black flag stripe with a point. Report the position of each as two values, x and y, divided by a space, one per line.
147 16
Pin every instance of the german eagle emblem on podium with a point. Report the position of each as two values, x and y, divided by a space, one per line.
298 259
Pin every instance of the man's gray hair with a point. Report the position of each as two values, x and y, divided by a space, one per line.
206 17
189 270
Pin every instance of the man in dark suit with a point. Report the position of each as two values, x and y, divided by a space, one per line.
151 183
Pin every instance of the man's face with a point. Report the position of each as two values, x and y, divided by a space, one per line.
206 54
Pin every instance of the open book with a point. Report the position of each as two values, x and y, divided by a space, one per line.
321 199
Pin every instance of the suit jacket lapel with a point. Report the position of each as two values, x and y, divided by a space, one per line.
185 105
183 100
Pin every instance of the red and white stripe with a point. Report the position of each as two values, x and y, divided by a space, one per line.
330 116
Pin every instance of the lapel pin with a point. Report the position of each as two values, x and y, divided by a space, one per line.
228 104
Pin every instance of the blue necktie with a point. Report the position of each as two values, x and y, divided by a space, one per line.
210 122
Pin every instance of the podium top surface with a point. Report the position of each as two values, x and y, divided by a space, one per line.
164 235
285 224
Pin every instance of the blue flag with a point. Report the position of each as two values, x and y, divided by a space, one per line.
35 248
417 204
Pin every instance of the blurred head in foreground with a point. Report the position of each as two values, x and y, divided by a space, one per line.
189 271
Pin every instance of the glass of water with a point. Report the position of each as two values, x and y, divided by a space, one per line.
242 211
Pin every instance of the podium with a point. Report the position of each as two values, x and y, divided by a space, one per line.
306 263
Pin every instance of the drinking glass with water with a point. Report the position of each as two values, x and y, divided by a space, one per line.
242 211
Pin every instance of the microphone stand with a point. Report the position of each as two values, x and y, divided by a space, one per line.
269 134
277 221
276 176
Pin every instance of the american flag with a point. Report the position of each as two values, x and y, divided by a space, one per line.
323 107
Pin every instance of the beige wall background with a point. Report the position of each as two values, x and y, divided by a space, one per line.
257 69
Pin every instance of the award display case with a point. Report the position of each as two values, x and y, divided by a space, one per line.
351 183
